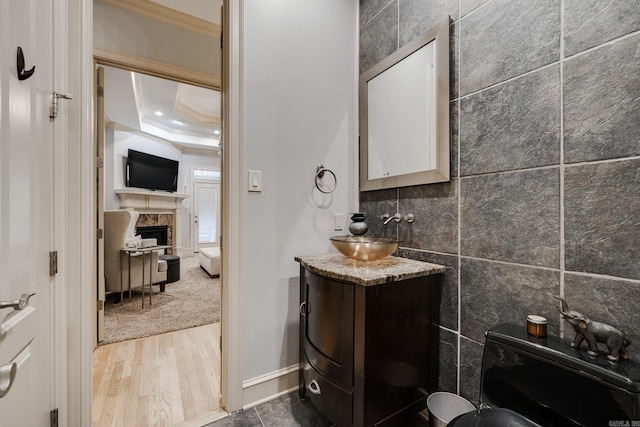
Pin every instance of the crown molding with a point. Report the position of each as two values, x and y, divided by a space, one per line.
170 16
175 144
189 113
156 68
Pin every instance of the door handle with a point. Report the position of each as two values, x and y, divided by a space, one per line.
303 308
314 387
18 304
7 375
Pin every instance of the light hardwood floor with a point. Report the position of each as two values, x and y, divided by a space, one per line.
164 380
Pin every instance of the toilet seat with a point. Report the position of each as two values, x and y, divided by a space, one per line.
492 417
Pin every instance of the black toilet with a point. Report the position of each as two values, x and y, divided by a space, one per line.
529 381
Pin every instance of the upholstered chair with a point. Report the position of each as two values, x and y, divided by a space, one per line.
118 227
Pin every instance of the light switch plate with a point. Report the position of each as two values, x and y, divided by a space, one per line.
255 181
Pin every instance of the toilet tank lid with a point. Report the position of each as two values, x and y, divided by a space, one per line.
624 374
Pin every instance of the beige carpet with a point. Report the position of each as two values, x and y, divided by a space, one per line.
194 300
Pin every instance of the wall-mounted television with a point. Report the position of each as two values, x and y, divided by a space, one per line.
151 172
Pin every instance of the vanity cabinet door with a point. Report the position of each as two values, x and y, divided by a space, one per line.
327 321
398 340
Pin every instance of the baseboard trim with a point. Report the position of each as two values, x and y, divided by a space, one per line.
267 387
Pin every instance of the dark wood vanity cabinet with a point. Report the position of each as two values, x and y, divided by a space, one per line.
366 352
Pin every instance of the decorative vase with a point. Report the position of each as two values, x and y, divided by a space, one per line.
358 227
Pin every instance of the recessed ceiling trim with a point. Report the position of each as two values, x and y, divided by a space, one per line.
190 105
156 68
124 128
179 145
191 114
170 16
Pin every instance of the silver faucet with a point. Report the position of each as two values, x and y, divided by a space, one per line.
387 219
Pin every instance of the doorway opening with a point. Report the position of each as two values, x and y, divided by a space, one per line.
206 211
153 357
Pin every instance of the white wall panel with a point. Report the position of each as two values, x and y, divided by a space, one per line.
299 111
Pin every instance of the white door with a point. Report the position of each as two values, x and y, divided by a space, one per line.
26 136
206 208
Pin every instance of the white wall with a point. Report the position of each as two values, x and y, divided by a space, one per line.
300 83
199 159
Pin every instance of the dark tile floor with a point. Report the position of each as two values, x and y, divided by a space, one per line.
288 411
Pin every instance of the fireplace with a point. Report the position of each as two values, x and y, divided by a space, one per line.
157 208
157 226
158 232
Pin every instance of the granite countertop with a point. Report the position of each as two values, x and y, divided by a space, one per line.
367 273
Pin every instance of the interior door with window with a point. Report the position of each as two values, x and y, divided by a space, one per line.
26 141
206 218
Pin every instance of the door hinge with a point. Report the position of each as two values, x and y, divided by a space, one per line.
53 418
99 162
99 305
220 342
53 113
53 263
99 233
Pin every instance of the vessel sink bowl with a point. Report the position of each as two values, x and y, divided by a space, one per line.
365 248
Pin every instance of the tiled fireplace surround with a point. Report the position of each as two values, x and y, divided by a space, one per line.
154 220
544 197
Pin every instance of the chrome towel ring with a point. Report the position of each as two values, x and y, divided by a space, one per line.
320 173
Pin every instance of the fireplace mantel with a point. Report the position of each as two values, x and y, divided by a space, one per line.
140 199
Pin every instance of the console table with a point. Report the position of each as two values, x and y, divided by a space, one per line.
142 251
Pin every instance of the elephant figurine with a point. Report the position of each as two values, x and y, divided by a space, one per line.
594 332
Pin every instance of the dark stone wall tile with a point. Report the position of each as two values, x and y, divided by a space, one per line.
454 127
369 8
377 203
512 217
492 293
454 60
507 213
589 23
448 362
470 369
607 300
435 208
602 218
379 37
602 103
416 16
512 126
507 38
449 291
467 6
